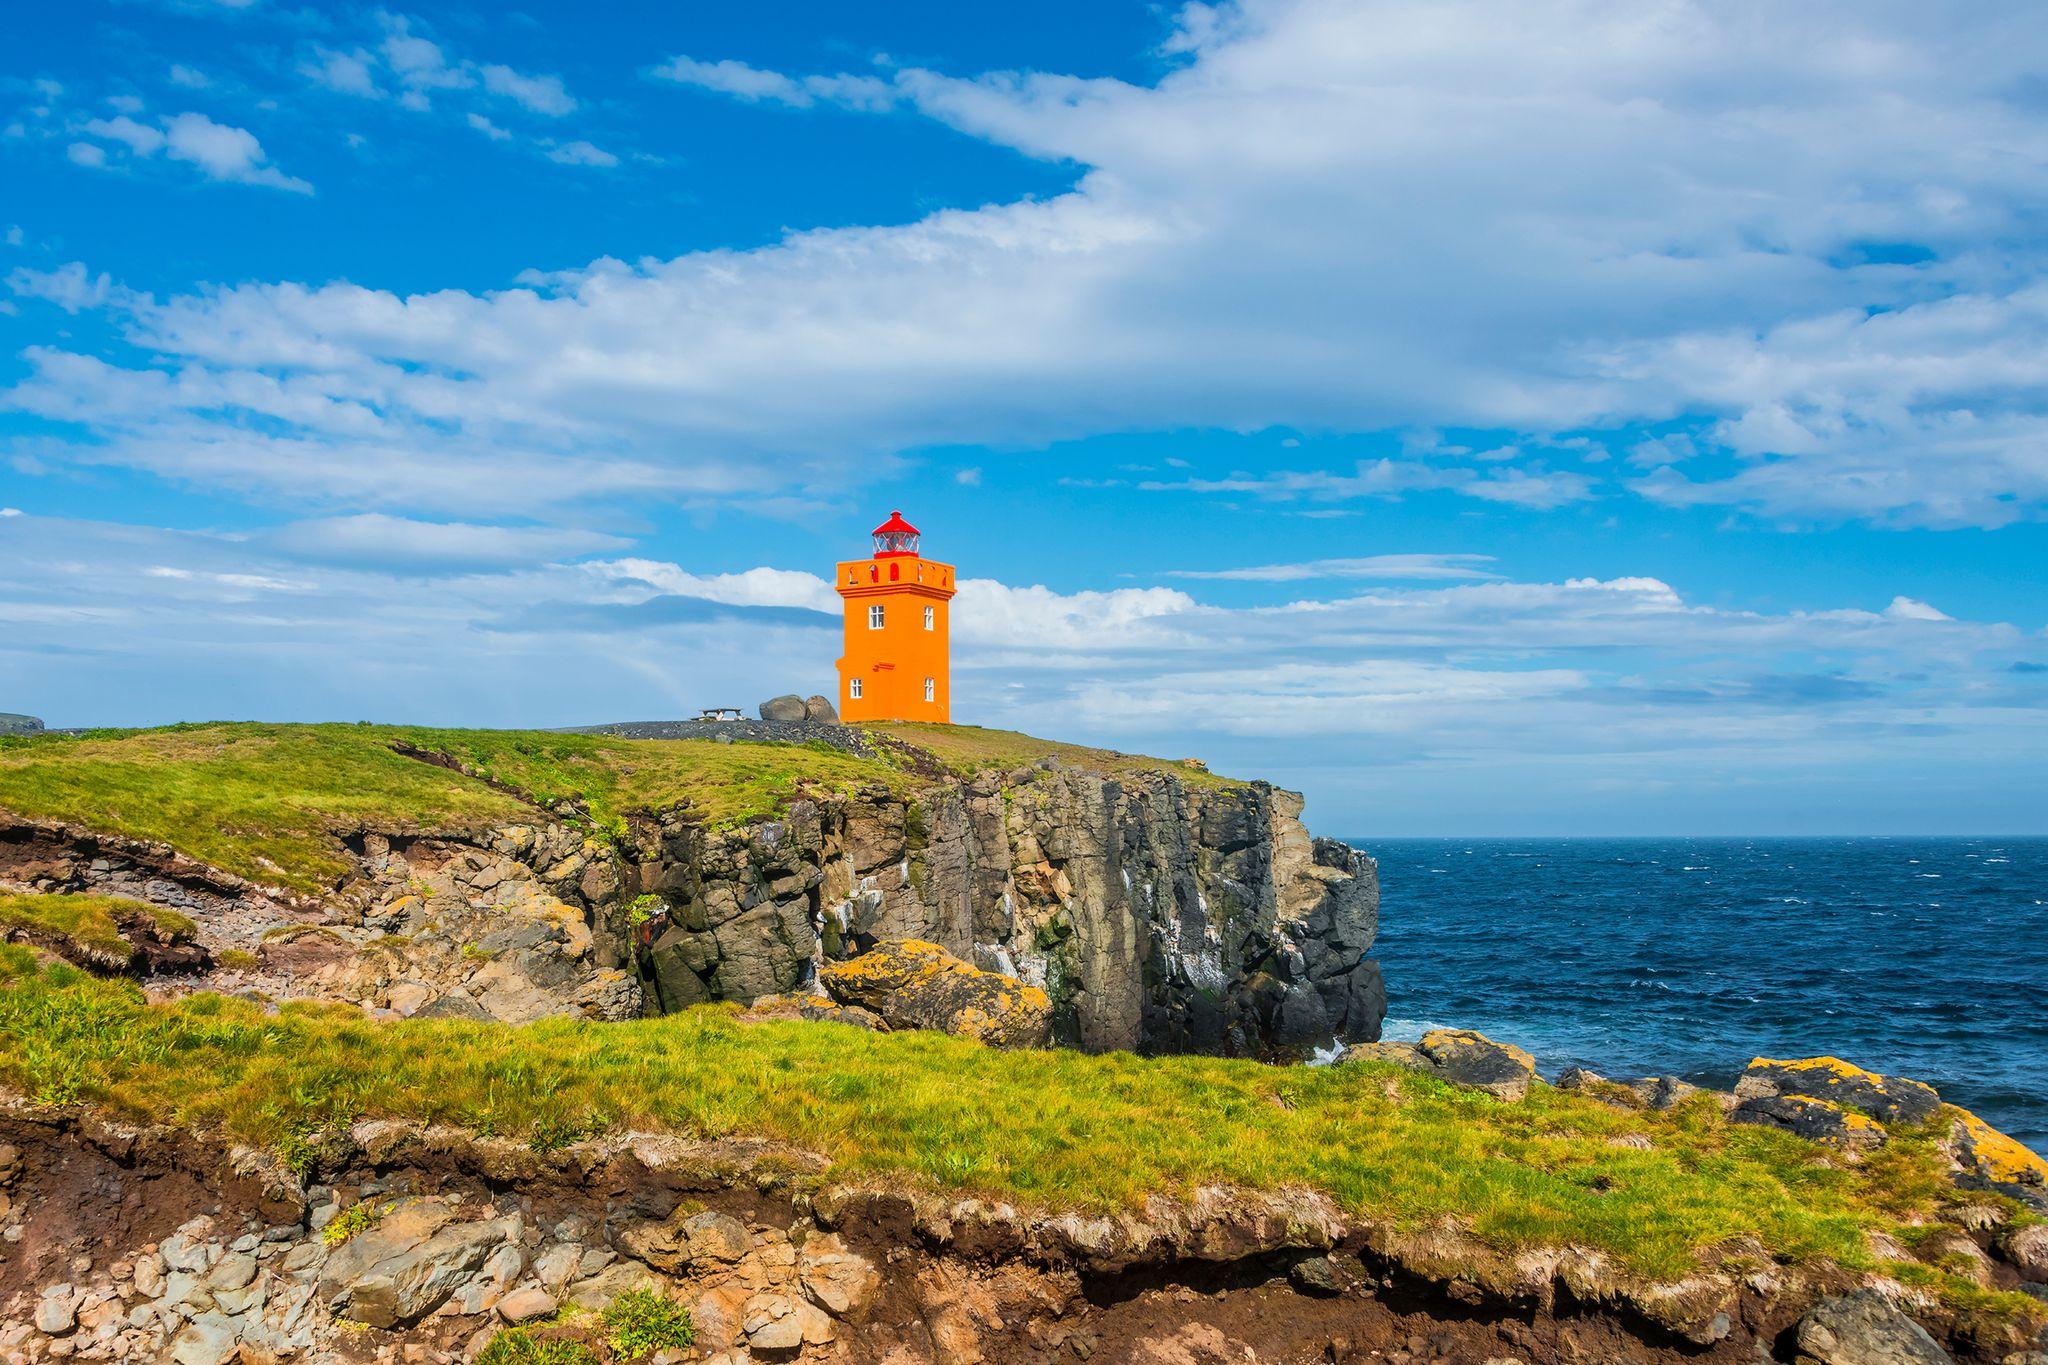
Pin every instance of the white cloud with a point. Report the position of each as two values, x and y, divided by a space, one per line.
729 77
346 72
403 61
1327 216
70 287
1908 609
220 151
751 83
189 77
225 152
139 138
581 153
541 94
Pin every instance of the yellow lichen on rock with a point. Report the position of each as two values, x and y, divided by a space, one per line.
1984 1151
914 984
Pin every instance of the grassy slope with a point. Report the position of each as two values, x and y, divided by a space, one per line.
264 801
970 749
952 1114
88 921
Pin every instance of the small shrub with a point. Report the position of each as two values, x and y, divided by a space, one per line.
350 1221
551 1133
518 1346
235 959
640 1322
299 1153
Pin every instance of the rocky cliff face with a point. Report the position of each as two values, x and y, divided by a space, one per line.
1159 915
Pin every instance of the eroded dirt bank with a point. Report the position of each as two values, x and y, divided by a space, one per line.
125 1243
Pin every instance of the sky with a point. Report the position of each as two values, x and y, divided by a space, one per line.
1488 417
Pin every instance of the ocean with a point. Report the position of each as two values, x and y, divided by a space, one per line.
1926 958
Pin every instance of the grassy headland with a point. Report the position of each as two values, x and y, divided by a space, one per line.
1033 1125
267 801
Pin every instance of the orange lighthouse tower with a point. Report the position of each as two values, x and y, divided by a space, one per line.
897 664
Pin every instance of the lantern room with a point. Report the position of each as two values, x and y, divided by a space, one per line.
897 659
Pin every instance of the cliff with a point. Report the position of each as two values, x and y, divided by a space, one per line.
511 877
1158 916
383 1049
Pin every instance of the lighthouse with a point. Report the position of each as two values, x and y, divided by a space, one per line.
897 664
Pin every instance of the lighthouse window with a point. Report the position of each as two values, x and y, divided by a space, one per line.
931 689
875 617
931 617
853 689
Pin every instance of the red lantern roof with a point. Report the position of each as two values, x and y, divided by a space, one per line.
895 526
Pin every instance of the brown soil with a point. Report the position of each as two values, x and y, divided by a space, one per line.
102 1191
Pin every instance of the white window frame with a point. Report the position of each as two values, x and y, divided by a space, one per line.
931 618
875 616
853 689
931 689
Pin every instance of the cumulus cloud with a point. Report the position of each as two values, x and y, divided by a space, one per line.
218 151
224 152
1558 221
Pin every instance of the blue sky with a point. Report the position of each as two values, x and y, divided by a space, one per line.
1551 417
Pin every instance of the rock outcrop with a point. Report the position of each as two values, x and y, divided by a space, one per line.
916 985
14 723
1156 914
1830 1101
1462 1057
1863 1328
1159 910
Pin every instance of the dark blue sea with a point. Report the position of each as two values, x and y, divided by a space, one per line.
1923 957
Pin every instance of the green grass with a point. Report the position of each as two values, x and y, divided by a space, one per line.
924 1108
970 749
90 922
269 802
640 1322
519 1346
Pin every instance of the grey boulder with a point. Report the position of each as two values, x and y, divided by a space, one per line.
786 707
1863 1329
820 708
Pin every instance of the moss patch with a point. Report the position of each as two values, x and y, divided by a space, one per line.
1032 1126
